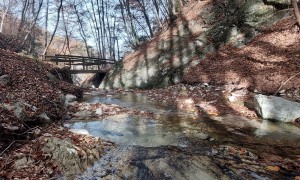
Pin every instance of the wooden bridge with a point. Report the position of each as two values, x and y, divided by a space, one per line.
82 64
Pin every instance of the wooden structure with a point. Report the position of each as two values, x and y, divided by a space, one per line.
82 64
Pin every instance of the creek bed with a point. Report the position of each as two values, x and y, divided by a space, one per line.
177 145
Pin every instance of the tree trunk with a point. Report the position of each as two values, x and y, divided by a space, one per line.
66 31
296 10
3 17
46 24
53 34
82 33
142 3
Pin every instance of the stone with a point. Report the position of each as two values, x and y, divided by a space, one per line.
37 132
51 77
70 158
1 71
44 117
99 112
62 99
5 80
232 98
18 109
279 3
23 163
276 108
202 136
80 131
69 98
10 127
83 114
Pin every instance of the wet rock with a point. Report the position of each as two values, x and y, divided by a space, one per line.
5 80
276 108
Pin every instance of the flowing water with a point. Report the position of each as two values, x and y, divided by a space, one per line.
177 145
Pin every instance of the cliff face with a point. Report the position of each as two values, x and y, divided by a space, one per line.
200 29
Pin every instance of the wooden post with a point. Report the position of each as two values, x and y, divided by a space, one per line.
70 63
56 59
98 64
83 63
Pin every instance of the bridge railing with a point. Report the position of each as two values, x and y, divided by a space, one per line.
82 64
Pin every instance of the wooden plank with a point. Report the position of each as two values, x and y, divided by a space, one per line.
85 62
86 57
87 71
66 59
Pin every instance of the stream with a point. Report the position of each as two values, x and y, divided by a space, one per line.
174 144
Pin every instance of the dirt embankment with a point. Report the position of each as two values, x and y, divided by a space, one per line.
34 88
30 97
264 65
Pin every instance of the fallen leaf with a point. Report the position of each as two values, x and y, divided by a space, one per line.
273 168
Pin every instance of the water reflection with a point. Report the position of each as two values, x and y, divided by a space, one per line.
134 130
172 127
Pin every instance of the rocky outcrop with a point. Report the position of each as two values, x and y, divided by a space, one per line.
70 158
276 108
166 58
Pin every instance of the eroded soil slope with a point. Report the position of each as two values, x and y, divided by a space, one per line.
269 61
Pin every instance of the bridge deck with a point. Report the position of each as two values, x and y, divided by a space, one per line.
82 64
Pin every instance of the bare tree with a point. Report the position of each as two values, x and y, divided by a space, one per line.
33 23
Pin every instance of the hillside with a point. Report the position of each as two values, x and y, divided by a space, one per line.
30 98
217 42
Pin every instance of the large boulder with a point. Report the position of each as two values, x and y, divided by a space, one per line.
276 108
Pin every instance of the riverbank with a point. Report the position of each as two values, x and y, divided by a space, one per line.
31 109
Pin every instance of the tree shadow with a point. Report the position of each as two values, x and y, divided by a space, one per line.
172 57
